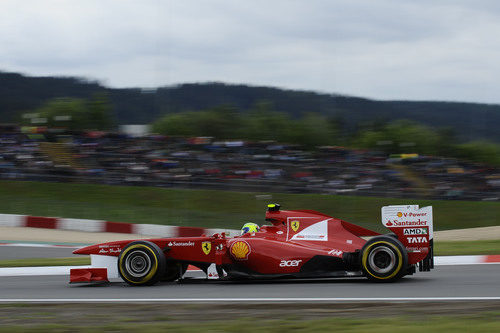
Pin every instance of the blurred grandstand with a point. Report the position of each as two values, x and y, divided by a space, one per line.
34 153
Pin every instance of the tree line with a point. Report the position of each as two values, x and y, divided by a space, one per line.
312 130
20 94
74 114
263 122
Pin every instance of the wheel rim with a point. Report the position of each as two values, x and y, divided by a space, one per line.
382 260
138 264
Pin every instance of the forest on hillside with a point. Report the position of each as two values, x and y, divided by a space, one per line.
262 123
20 94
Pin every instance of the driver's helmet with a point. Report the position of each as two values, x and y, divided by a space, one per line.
249 227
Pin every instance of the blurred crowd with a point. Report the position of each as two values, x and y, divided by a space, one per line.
201 162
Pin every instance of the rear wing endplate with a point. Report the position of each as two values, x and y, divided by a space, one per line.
414 228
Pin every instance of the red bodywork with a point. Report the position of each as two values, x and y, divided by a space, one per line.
300 243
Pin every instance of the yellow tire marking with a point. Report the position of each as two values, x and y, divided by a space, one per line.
151 273
365 255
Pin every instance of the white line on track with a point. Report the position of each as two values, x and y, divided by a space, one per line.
260 300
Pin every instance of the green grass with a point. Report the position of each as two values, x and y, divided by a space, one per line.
467 247
251 317
209 208
476 323
35 262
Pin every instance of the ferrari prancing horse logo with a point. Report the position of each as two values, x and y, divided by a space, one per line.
206 247
295 225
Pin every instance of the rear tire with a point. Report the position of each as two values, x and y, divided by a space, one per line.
384 259
141 263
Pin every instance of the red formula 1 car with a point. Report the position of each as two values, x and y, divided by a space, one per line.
298 244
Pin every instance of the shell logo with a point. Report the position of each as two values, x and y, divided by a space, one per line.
240 250
400 214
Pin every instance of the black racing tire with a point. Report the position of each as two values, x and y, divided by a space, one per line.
391 234
141 263
174 271
384 259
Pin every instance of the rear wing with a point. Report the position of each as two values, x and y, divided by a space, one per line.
414 228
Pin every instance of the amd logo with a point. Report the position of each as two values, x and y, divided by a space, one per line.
415 231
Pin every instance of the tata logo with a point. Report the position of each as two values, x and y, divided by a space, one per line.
415 231
295 225
413 240
290 263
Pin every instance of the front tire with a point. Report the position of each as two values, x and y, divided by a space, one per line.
141 263
384 259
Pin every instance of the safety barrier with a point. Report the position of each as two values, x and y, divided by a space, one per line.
14 220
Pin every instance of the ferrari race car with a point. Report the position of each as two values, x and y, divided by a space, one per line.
297 244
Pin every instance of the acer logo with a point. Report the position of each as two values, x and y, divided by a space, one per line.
290 263
412 240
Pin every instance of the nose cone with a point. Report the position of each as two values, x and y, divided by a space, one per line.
107 249
92 249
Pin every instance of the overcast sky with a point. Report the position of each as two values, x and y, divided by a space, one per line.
382 49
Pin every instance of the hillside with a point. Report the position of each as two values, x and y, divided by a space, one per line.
19 93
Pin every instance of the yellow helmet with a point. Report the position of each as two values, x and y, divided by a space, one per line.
249 227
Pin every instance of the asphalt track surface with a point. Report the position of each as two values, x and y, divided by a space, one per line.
442 282
476 281
24 252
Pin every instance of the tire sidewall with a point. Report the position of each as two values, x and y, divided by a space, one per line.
145 249
384 243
